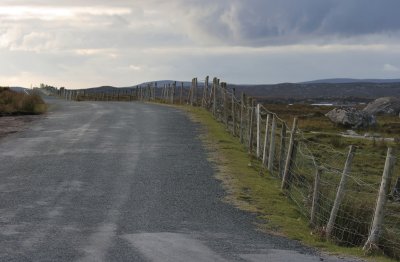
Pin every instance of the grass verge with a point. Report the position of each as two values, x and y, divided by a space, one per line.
254 191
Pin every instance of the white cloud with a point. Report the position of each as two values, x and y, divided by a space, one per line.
390 68
135 67
49 13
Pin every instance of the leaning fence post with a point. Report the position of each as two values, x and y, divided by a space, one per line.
315 199
340 192
272 146
286 172
266 141
258 114
376 228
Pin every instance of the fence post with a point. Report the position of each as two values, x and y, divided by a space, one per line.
376 228
315 199
258 114
173 93
205 92
272 146
266 141
195 92
214 94
282 150
154 91
225 103
251 117
181 94
233 112
242 108
340 193
288 164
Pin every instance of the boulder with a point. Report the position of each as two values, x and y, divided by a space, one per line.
351 117
384 105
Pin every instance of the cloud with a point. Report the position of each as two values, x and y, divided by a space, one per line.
266 22
390 68
85 43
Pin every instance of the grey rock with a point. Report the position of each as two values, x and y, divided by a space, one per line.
351 133
384 105
351 117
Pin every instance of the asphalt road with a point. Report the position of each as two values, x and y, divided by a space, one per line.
97 181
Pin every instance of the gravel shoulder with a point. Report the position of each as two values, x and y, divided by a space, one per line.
14 124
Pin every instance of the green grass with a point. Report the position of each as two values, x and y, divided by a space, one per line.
251 190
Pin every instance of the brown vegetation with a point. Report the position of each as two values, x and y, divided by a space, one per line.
14 103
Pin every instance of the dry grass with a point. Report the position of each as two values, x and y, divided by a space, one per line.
13 103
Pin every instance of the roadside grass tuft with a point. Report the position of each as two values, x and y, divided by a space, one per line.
254 191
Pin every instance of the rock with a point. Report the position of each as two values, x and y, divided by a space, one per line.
372 135
351 117
384 105
351 133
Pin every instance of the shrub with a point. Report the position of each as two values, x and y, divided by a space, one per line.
13 103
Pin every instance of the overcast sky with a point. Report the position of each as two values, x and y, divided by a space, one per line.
126 42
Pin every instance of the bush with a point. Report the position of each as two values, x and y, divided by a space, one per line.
13 103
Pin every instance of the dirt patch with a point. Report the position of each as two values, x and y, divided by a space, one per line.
14 124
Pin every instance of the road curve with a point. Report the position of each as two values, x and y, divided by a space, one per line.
97 181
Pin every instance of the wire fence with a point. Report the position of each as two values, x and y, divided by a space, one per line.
345 193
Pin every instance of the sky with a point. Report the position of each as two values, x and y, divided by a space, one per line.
80 44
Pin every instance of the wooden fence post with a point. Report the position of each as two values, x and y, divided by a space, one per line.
271 155
315 200
225 103
242 108
340 193
204 101
266 141
250 118
181 94
258 114
282 150
195 92
376 228
214 93
289 159
233 112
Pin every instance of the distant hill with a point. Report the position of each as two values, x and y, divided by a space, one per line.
18 89
357 91
338 89
350 80
161 83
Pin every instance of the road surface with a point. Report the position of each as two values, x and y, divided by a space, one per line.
98 181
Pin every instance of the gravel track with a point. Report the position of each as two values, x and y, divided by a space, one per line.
97 181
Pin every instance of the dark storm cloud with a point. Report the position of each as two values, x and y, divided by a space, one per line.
289 21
